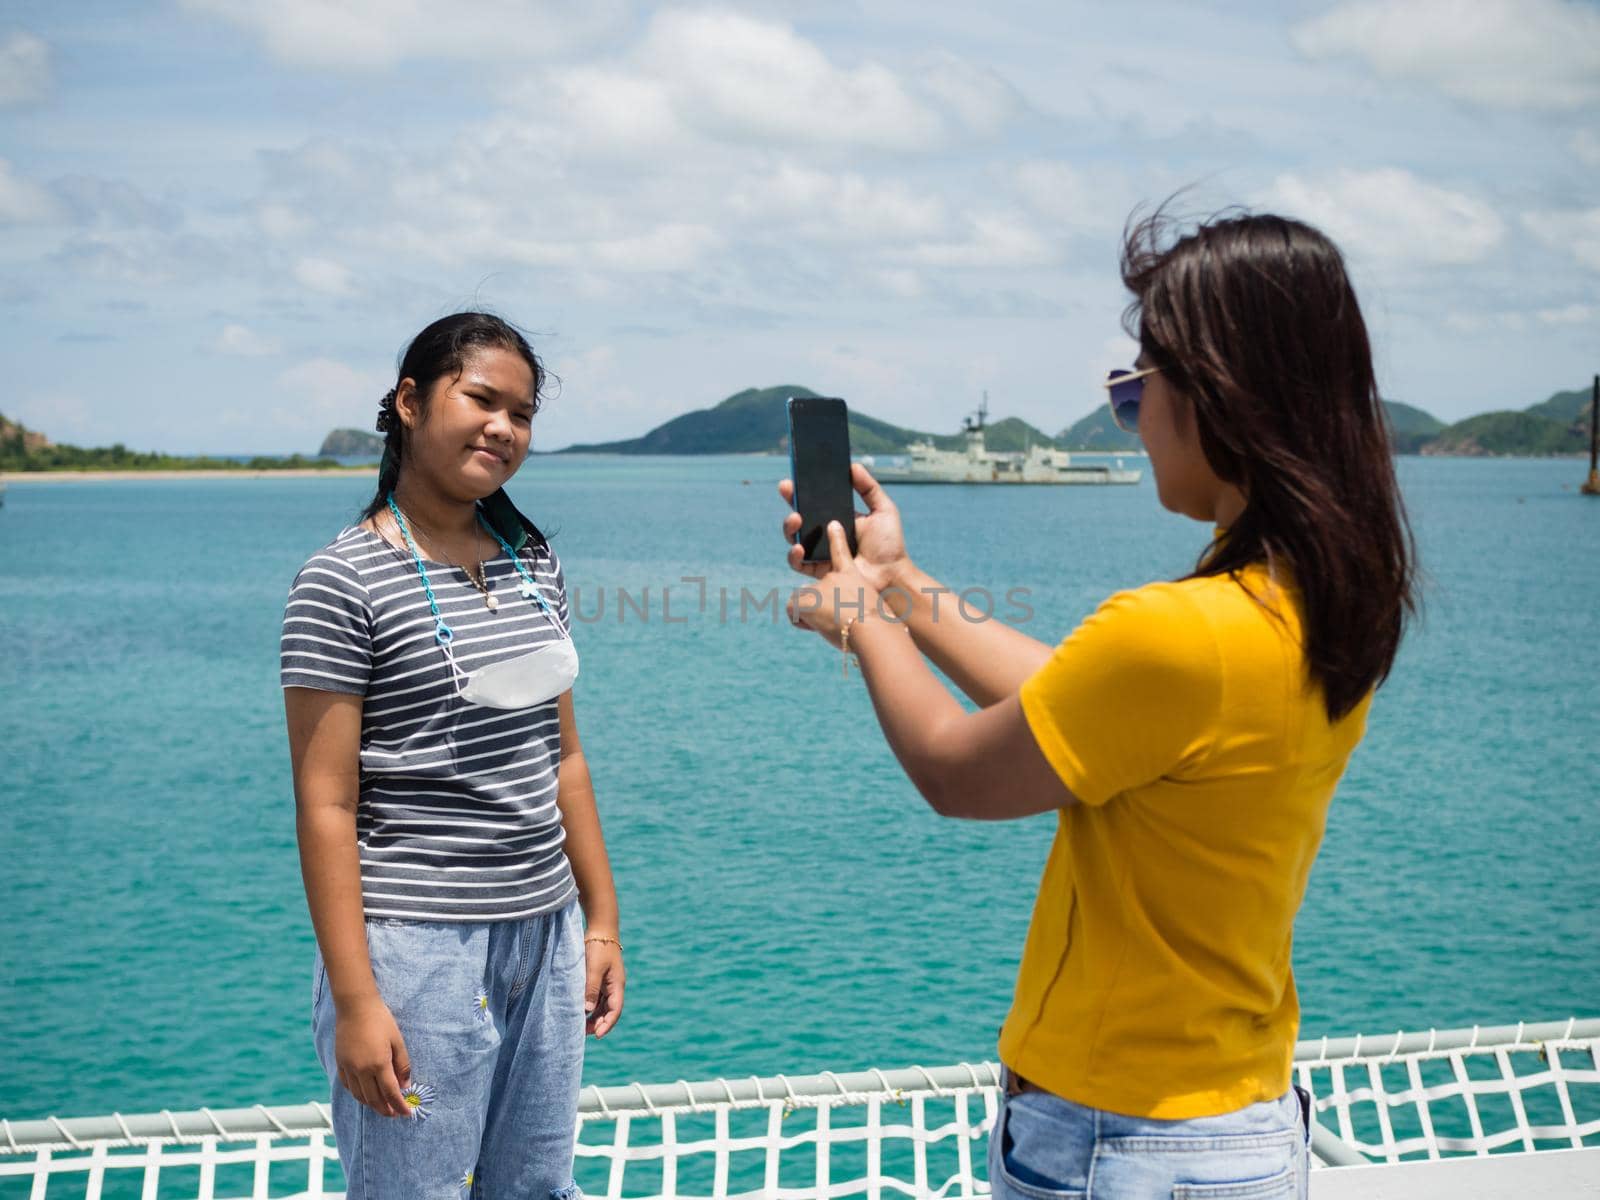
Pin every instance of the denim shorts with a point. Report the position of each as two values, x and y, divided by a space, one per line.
1045 1148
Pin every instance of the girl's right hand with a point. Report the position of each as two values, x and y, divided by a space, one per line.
880 542
373 1064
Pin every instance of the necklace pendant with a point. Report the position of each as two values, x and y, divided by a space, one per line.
526 589
491 603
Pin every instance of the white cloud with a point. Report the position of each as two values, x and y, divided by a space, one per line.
113 204
23 202
323 393
900 282
1586 145
146 258
24 70
1486 322
1389 217
245 343
719 76
1067 195
362 35
1574 231
739 78
838 207
1521 322
1570 314
281 222
979 98
1516 54
323 275
993 240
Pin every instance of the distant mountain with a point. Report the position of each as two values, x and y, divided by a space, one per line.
1558 425
1563 406
351 443
1521 433
749 422
1409 427
755 421
18 441
1097 431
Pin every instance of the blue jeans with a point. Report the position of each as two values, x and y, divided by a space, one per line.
1045 1148
492 1017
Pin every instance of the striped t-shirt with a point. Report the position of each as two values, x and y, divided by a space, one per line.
457 817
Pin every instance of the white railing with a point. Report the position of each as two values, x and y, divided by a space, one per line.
913 1132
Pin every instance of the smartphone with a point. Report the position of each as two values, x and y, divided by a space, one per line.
819 464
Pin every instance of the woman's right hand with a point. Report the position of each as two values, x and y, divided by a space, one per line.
373 1064
880 542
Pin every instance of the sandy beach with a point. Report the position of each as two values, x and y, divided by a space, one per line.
107 476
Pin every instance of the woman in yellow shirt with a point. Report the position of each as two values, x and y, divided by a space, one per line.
1188 734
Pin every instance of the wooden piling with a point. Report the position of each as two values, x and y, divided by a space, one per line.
1591 485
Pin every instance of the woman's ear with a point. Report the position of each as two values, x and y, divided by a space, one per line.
408 403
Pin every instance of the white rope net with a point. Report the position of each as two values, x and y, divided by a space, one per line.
916 1132
1462 1092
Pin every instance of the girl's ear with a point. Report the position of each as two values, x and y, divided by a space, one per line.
408 403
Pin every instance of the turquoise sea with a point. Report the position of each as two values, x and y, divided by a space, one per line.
789 904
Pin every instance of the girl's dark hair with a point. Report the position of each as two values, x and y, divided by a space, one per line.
439 350
1253 319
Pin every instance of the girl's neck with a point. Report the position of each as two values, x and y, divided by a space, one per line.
437 515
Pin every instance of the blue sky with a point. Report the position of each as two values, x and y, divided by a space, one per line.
220 220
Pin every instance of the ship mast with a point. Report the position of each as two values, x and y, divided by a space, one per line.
974 423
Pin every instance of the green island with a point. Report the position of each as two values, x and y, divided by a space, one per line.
27 450
754 421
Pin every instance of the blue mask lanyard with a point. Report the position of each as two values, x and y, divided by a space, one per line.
526 587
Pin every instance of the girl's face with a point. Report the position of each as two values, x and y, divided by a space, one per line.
1185 482
476 429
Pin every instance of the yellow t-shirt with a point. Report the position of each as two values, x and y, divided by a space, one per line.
1156 978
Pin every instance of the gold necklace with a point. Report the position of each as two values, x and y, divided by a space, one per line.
480 581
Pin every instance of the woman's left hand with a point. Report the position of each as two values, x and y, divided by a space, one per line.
837 596
602 992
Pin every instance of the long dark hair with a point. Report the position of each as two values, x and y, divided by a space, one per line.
1254 321
439 350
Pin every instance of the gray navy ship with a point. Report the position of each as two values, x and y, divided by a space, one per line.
924 462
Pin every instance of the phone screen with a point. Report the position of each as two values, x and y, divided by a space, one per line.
819 463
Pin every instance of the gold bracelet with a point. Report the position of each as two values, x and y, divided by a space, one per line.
602 938
844 643
844 640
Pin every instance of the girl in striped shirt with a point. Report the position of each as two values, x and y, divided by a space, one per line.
454 865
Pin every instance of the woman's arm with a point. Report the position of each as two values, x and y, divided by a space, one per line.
324 749
985 765
987 659
591 868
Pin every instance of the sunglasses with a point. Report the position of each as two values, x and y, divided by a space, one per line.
1125 389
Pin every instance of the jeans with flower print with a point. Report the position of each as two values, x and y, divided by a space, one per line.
492 1017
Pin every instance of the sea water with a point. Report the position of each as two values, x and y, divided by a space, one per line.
788 902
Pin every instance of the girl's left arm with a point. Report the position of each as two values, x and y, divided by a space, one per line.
591 868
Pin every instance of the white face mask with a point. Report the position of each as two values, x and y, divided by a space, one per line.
522 682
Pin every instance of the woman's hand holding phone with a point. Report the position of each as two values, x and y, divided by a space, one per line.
881 556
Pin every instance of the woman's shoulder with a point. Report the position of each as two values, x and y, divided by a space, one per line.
341 561
542 558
